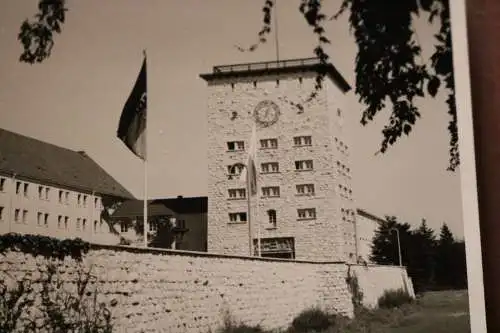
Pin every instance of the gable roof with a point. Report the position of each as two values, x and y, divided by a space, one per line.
49 164
134 208
189 205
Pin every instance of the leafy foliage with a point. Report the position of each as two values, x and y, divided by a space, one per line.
37 36
44 246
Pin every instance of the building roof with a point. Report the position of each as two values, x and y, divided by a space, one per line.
135 208
38 161
186 205
370 216
278 67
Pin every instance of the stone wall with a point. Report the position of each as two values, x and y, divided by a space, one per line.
173 291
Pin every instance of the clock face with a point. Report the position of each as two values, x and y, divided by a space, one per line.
266 113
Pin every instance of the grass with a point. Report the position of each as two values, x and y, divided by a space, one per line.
434 312
438 312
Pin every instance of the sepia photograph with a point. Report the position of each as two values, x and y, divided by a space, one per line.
237 166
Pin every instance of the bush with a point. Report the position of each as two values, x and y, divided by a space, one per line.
394 298
312 320
241 328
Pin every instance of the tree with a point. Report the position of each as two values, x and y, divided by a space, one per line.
424 259
390 69
445 270
385 246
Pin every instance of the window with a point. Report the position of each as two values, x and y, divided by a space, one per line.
306 213
272 217
2 184
237 217
39 217
66 198
271 191
25 189
60 197
269 143
78 223
79 199
66 222
16 214
84 201
236 145
235 169
46 219
18 187
239 193
40 192
95 225
271 167
47 190
299 141
153 226
25 216
96 202
123 226
305 189
59 220
1 213
84 224
304 165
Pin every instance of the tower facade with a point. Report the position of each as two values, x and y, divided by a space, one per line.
304 206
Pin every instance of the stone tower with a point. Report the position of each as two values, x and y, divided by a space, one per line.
304 205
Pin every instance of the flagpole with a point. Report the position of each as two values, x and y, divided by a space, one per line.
250 242
145 217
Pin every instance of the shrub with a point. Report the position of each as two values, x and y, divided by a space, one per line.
394 298
231 326
313 319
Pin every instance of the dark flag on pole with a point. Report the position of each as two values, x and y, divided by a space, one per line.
132 126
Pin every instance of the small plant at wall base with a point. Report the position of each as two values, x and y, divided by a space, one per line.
394 298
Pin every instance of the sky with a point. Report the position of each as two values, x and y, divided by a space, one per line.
74 99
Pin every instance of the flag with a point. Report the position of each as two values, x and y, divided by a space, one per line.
132 126
249 174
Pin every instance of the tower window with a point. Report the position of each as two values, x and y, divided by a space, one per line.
238 193
271 191
272 217
236 145
2 184
305 189
299 141
306 214
304 165
235 169
269 143
271 167
237 217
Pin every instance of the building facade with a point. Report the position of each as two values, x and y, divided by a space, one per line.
366 227
186 219
304 207
53 191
